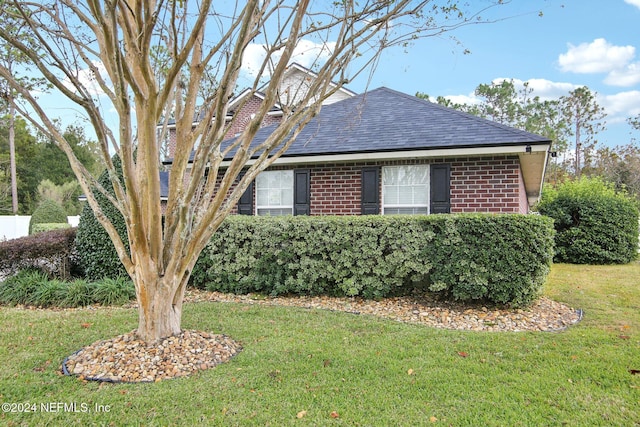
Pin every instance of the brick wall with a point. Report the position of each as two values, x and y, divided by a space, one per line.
335 189
482 184
242 118
487 184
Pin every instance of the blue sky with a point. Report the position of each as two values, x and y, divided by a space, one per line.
574 43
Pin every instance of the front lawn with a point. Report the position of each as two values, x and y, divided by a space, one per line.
312 367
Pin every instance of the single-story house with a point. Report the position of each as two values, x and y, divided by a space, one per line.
386 152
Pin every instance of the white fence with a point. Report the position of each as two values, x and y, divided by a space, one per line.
14 226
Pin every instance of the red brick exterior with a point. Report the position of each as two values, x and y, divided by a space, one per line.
241 119
482 184
243 116
488 184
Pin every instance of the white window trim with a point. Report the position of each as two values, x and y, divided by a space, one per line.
385 206
258 207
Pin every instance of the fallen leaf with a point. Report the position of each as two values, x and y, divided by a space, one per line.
123 392
301 414
327 362
433 419
410 372
334 414
463 354
85 325
624 337
634 371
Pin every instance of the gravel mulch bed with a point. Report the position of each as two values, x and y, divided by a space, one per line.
543 315
126 359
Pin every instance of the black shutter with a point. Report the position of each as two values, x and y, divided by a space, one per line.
370 195
440 189
245 204
301 192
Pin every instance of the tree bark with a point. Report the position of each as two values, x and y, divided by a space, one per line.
12 155
159 305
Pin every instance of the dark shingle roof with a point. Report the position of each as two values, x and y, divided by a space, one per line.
384 120
387 120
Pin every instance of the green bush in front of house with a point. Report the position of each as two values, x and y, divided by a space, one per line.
498 258
97 254
595 223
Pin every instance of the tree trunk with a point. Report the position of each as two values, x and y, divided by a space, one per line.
12 155
160 306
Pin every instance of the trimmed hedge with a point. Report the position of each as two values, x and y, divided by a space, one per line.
48 226
595 224
498 258
47 212
49 251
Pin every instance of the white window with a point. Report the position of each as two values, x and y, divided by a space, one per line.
274 193
405 189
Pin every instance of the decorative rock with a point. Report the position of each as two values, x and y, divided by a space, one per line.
139 362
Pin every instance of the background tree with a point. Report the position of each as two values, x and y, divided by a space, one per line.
54 162
28 172
12 60
586 118
501 102
619 166
114 42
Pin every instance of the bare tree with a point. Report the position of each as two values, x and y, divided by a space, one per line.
149 59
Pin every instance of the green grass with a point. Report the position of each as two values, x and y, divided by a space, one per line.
358 366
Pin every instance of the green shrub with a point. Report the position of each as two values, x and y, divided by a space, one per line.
33 287
79 293
47 212
22 287
502 258
114 291
499 258
41 228
97 255
50 293
595 224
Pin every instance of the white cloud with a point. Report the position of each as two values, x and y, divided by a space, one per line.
625 77
635 3
598 56
307 53
621 105
87 78
462 99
